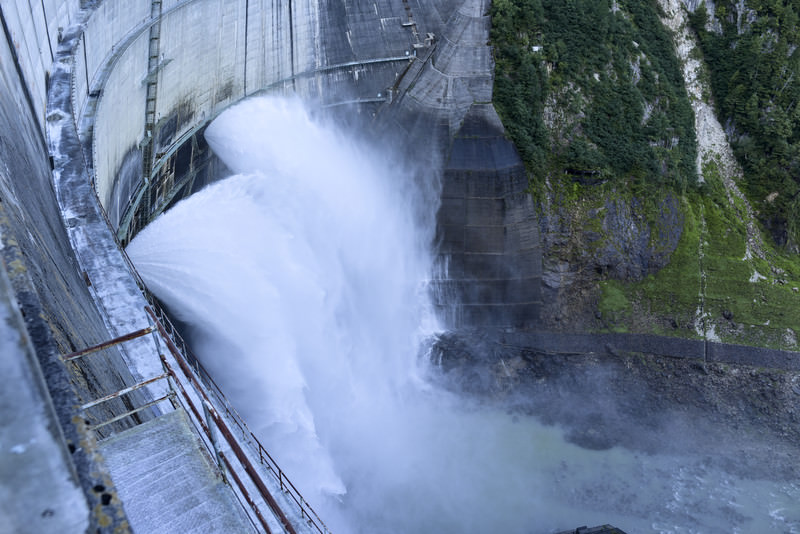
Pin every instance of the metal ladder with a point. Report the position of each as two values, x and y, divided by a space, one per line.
151 80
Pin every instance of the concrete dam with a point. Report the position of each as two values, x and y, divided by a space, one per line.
104 108
110 423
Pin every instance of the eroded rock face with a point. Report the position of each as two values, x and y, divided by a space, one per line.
636 247
604 238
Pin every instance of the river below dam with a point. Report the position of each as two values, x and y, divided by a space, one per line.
304 283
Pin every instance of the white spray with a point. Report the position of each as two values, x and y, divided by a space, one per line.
303 281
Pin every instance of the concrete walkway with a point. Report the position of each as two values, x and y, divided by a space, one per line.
167 483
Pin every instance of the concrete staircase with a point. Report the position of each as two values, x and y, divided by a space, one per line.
167 483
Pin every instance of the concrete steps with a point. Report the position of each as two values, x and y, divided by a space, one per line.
167 483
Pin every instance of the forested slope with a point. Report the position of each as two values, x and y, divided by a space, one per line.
751 49
593 87
639 234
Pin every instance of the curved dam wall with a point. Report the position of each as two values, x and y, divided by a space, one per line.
151 86
108 101
144 99
132 85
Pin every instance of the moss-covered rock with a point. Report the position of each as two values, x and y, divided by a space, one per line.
592 94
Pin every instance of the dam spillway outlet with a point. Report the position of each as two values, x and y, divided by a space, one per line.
305 281
302 281
279 267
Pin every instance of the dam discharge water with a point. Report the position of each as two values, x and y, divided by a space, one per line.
303 282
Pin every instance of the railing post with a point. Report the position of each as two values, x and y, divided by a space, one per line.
170 383
212 435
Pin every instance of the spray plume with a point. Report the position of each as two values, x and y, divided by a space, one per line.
303 281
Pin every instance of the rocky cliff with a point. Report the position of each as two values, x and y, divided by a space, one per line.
632 119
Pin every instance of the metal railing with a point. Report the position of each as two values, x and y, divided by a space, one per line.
162 328
306 512
170 395
184 400
196 374
204 424
79 354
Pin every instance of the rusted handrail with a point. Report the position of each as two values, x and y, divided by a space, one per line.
110 343
185 395
123 391
223 428
247 497
207 431
172 337
250 470
234 445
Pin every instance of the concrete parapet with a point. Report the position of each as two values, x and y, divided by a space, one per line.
32 447
57 314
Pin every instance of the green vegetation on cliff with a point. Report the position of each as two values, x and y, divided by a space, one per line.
591 93
751 49
714 286
592 88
